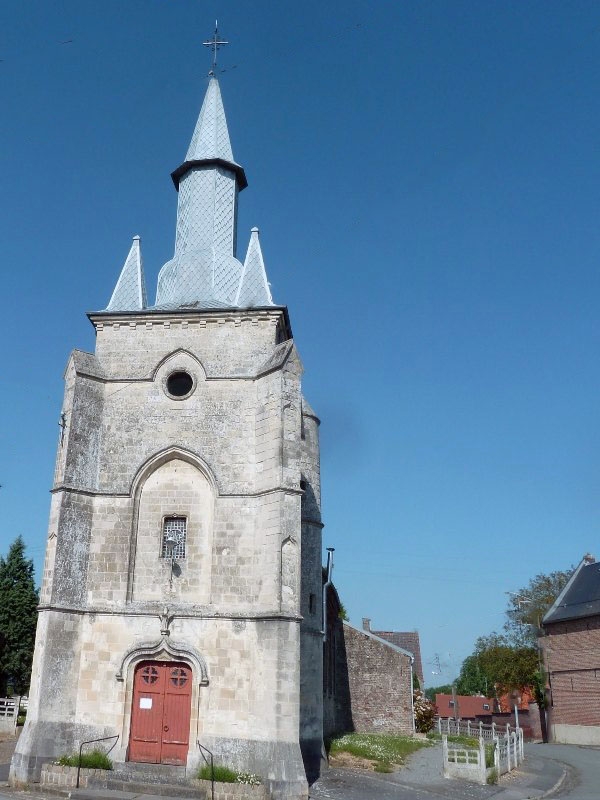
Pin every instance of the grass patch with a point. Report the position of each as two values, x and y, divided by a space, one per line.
97 759
221 774
385 750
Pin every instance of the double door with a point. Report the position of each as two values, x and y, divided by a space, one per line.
160 717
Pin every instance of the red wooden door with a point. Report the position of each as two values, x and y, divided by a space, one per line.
160 717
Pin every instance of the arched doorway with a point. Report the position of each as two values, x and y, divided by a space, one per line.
160 715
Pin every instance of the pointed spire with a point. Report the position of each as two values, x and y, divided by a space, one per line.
130 291
254 288
211 137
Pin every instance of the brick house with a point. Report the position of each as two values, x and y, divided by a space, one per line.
571 646
367 681
464 706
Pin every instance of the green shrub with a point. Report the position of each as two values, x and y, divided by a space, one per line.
492 777
489 754
21 719
424 711
96 759
221 774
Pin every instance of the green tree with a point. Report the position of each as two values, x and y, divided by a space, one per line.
18 618
433 690
497 666
473 679
527 606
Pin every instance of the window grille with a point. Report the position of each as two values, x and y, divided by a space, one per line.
174 528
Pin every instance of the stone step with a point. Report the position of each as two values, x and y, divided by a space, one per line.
153 779
161 789
150 773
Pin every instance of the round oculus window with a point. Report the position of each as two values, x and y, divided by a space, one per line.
180 384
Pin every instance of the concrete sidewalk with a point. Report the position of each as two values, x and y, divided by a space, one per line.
421 779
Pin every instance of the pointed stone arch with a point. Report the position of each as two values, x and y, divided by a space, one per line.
161 457
154 491
164 649
289 581
182 353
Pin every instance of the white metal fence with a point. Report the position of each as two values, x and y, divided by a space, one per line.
464 727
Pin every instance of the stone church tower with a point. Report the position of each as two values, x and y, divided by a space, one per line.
181 596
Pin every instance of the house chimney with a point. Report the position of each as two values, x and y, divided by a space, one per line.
589 558
366 624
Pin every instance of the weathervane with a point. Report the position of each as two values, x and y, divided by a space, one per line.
214 44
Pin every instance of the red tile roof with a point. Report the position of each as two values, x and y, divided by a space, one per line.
468 706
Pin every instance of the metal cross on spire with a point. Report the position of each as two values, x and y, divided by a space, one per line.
215 43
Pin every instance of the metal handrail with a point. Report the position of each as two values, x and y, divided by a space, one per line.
212 767
93 741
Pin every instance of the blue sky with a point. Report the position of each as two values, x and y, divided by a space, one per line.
426 179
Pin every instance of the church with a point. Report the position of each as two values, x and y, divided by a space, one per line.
181 602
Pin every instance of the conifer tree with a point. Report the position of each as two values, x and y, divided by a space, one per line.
18 618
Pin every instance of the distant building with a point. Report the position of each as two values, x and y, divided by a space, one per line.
462 706
406 640
571 648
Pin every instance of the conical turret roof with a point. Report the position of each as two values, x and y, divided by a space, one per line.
130 292
211 136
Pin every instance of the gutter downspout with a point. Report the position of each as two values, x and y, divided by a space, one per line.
412 695
328 582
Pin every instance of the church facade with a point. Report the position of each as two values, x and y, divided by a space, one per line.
181 597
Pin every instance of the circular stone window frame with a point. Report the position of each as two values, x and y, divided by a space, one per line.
182 396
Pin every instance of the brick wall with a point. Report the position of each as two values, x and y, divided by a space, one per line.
379 684
572 653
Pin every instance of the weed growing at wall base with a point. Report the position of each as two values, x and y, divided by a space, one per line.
226 775
94 760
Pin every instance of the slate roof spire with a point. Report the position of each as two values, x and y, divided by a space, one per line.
130 292
204 271
211 136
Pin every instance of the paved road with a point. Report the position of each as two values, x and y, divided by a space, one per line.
583 778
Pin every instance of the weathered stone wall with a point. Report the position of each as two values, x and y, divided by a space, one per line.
55 776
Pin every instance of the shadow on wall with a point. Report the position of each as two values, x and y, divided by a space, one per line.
337 698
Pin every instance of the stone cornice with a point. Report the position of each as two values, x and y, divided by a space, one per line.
222 495
190 316
179 612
